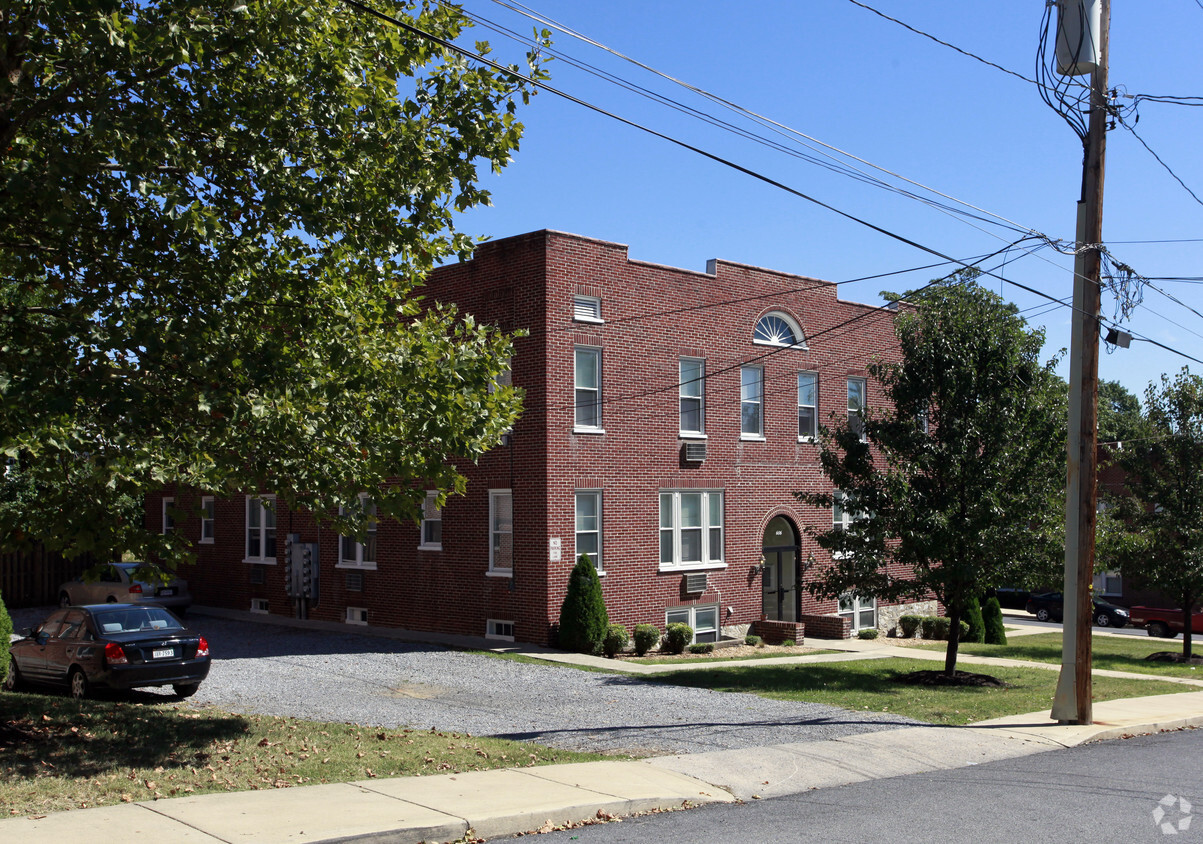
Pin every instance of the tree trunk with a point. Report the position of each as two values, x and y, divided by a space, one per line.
954 640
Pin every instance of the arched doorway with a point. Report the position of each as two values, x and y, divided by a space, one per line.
779 580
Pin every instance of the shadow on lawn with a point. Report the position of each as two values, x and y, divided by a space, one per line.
786 678
43 734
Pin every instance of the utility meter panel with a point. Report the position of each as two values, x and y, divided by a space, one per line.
301 569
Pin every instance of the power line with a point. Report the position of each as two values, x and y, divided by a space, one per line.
1132 129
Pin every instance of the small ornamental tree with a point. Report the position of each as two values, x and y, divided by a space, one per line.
996 633
6 629
973 617
583 617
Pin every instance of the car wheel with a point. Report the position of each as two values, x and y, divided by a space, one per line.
1103 619
13 681
78 683
185 691
1043 615
64 600
1159 629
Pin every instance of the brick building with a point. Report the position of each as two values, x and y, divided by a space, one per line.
669 417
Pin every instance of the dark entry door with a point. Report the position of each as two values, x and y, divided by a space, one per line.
780 576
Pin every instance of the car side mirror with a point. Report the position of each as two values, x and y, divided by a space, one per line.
27 633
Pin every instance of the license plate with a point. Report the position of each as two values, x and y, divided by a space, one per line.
166 592
162 653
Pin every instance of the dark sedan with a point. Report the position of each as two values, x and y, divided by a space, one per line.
1050 607
119 646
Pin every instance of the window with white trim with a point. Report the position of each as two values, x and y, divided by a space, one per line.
260 529
808 406
856 406
356 615
168 518
501 532
693 396
703 620
432 524
259 605
751 402
353 554
778 329
691 529
589 527
208 519
587 377
497 629
586 309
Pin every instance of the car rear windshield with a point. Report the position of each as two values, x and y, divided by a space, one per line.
134 619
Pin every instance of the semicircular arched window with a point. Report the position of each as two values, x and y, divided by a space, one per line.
777 329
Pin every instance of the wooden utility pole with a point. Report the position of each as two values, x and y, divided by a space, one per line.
1072 703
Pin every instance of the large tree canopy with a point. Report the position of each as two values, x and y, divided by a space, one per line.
213 223
957 486
1154 533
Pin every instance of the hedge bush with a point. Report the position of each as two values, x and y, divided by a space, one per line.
973 617
702 648
992 618
868 633
930 625
583 618
754 641
909 624
615 640
6 629
646 637
788 643
676 637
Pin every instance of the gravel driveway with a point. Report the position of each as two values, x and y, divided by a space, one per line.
261 668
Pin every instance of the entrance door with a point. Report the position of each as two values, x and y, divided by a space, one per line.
780 578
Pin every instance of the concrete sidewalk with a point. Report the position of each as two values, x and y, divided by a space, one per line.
492 803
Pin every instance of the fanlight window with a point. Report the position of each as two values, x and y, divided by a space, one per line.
777 330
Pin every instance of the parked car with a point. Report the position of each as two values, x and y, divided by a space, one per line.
1011 597
115 645
1050 607
1163 622
127 583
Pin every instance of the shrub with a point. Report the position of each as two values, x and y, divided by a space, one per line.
583 618
992 618
615 640
964 630
909 624
868 633
973 617
788 643
676 637
6 629
702 648
754 641
930 626
646 637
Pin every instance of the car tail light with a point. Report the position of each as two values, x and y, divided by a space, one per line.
202 647
136 589
114 654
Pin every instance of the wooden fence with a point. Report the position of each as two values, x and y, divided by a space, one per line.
32 579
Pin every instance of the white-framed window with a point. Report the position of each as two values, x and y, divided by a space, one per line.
703 620
260 529
168 518
860 609
693 397
751 402
208 519
498 629
778 329
501 533
589 527
586 309
856 406
808 406
353 554
356 615
431 538
691 529
259 606
587 377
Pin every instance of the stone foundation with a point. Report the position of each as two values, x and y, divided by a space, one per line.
887 617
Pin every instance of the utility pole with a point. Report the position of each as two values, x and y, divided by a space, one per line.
1072 703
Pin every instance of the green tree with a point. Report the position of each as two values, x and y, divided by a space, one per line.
1119 413
1154 534
583 616
958 485
974 618
216 217
992 617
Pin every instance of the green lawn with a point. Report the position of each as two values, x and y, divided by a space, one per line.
1113 653
872 685
58 754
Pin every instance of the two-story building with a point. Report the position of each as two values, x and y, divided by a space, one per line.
670 416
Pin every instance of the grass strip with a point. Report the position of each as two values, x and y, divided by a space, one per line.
873 685
58 754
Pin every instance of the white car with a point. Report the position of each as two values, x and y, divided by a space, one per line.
123 583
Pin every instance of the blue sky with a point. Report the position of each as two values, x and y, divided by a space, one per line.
844 76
